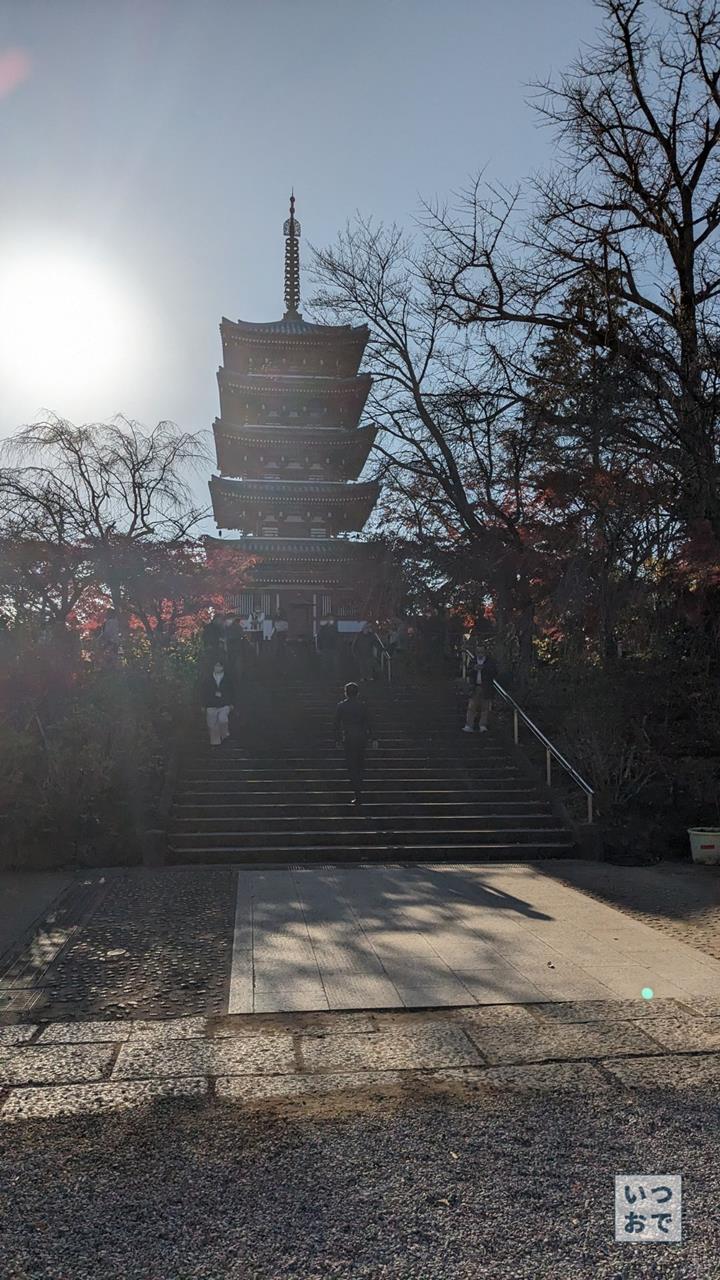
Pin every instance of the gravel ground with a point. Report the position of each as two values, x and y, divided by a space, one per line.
497 1186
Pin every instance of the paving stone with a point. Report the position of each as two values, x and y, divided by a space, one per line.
666 1071
261 1088
625 981
55 1065
16 1034
432 997
607 1010
423 1046
356 991
168 1029
688 1033
535 1044
545 1076
86 1099
289 996
497 1015
85 1032
246 1055
347 959
241 994
680 902
706 1006
496 987
312 1022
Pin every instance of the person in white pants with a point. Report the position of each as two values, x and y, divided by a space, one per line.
218 700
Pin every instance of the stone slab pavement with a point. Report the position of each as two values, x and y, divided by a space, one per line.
164 943
75 1068
424 936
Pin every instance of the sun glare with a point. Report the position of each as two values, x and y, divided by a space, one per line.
69 328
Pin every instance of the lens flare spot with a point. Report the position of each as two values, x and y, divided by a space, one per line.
14 69
647 993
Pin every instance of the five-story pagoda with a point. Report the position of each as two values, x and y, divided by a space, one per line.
289 450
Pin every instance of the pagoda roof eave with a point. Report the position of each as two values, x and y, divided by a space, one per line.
295 490
294 328
352 503
310 549
333 437
256 384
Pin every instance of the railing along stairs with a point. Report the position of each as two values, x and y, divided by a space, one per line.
551 751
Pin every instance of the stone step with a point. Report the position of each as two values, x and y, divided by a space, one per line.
336 807
353 832
388 852
306 822
384 790
336 764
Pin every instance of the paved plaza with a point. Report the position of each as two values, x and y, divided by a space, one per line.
424 936
216 940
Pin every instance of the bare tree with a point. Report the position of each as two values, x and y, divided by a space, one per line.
451 447
633 205
103 489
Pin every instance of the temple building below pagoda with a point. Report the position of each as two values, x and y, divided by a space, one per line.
290 449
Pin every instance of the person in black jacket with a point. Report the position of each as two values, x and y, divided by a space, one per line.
482 674
218 699
353 724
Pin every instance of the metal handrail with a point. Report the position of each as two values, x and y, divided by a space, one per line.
551 751
385 660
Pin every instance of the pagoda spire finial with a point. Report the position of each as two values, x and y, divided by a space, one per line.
291 231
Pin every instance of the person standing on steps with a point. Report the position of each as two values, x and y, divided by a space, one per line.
366 647
482 674
354 725
328 643
218 699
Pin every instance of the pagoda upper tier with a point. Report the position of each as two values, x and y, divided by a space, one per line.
279 452
293 346
292 507
282 400
288 441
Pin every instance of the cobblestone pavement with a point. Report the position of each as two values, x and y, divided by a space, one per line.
133 943
682 900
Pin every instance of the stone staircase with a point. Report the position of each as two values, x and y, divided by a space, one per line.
278 791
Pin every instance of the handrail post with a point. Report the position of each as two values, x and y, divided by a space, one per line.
548 766
590 808
516 726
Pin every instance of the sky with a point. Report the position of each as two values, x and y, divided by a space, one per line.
148 147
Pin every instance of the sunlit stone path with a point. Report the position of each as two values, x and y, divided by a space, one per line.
217 940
